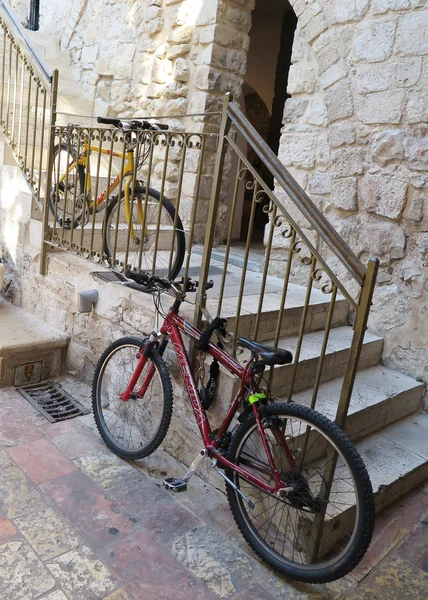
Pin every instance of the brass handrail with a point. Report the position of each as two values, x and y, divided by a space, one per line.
312 213
26 47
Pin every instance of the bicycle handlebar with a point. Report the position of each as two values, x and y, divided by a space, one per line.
145 125
143 282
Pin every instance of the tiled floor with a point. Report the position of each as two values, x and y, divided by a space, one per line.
78 523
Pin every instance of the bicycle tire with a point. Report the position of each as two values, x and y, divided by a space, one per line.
362 533
167 396
53 203
180 241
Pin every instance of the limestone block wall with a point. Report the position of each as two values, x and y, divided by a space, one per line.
355 136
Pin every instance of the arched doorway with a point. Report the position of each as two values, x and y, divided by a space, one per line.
265 89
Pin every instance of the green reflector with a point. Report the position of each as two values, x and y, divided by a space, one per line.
256 397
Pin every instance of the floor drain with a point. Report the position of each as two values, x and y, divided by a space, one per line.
52 401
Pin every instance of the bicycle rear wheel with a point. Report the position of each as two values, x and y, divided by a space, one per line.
136 427
66 200
307 535
154 245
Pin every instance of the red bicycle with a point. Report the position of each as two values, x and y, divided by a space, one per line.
297 487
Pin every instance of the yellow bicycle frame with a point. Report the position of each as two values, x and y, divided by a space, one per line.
127 175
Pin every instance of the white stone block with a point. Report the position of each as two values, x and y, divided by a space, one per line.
374 40
301 79
417 106
375 78
388 145
342 133
338 101
319 183
384 195
344 193
383 6
89 54
334 74
350 10
382 107
412 33
408 72
181 70
315 111
348 161
181 35
298 151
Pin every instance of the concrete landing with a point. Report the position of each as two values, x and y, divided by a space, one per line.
30 349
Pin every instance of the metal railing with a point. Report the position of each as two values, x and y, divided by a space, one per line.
293 220
129 199
28 97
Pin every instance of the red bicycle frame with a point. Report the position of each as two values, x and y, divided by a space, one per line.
171 329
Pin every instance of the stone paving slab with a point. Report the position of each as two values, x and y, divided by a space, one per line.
78 523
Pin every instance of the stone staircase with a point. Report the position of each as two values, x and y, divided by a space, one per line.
385 420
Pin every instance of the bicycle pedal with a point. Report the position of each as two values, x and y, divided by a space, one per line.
175 485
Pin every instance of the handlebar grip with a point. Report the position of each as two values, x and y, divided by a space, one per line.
162 126
204 340
107 121
140 278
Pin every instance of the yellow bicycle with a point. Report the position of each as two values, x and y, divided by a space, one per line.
140 229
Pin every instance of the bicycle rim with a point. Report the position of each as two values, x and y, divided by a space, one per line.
286 531
151 244
67 196
130 425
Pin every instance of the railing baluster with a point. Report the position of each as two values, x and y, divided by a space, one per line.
177 205
151 137
194 210
265 272
229 235
246 255
15 91
8 88
302 327
95 197
126 140
42 139
2 120
162 190
27 121
21 102
33 154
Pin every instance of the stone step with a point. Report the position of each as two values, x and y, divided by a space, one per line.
396 459
380 397
271 308
335 361
30 349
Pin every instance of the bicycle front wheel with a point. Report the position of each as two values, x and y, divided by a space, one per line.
66 199
136 427
310 534
146 236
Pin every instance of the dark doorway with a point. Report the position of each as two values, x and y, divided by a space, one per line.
265 90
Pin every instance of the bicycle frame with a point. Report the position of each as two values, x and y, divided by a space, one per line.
171 329
126 174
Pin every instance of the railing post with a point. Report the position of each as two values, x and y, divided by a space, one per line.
48 178
212 213
360 327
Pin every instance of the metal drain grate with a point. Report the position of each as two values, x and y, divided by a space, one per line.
52 401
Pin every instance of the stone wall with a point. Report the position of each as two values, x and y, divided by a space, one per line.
354 129
355 137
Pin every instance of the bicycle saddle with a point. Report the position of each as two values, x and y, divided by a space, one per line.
268 355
